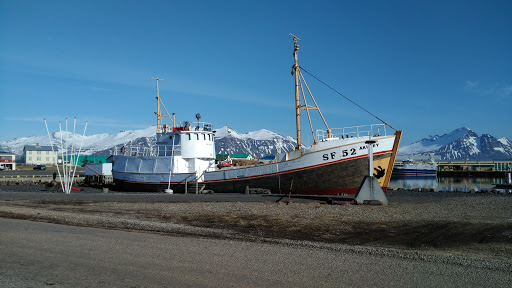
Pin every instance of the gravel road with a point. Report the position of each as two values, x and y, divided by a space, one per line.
42 254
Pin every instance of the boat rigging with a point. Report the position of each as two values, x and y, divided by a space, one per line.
299 90
159 115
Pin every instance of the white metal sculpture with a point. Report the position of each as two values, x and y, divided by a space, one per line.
68 154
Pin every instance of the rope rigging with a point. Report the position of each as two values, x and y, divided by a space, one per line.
302 69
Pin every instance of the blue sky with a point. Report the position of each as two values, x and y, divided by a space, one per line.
425 67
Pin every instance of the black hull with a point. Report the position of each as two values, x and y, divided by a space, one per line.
333 179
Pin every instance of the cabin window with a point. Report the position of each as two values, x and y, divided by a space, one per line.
189 137
197 135
209 138
204 137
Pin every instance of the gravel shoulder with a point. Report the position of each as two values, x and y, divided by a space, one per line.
459 228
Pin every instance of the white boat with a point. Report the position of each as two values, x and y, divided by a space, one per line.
416 168
184 154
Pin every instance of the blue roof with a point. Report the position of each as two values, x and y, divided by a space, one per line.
268 157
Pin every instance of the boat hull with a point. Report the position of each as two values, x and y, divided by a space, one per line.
331 171
343 177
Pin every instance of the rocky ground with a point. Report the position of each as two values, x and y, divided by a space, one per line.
453 227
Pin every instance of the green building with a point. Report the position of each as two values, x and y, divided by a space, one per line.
86 159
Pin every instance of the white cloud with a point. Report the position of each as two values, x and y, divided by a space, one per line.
498 92
505 92
471 84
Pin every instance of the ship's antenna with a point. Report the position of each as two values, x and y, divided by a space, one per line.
296 71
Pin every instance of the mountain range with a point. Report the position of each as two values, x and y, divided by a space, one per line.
257 143
460 144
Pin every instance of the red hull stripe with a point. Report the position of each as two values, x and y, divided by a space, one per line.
293 170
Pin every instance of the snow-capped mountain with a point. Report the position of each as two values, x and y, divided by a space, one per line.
461 144
92 144
257 143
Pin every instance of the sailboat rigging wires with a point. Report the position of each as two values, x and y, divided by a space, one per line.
302 69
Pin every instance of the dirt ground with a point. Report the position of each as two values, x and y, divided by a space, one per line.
467 225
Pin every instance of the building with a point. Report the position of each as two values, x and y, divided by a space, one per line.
37 154
82 160
235 156
241 156
491 166
8 160
467 165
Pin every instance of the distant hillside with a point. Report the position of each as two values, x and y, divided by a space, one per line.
258 143
461 144
91 144
227 140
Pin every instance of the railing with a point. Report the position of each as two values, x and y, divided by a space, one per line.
188 126
137 150
353 132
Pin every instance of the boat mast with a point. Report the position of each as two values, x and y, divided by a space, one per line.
158 114
296 72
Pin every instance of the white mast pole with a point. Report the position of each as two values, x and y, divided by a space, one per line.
73 148
68 153
61 151
67 156
79 151
73 139
63 160
51 145
70 156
